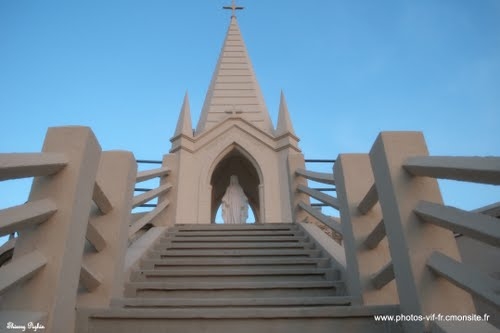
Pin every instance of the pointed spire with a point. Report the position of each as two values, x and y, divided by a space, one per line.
234 90
284 122
184 123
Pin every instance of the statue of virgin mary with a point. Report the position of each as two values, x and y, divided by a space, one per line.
234 203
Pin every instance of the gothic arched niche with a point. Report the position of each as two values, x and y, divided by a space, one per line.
235 162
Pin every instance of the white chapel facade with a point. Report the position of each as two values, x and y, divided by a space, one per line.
234 136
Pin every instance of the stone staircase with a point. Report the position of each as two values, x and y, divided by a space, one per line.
238 278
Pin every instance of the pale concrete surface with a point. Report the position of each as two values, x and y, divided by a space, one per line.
485 228
149 174
354 179
296 161
22 165
411 242
331 247
140 247
489 258
21 269
149 217
6 251
61 239
117 176
26 215
470 168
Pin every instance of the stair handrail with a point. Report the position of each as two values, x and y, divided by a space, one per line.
317 194
148 195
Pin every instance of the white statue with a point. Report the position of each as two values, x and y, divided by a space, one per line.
234 203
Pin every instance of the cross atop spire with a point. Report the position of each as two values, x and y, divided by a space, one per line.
233 7
234 91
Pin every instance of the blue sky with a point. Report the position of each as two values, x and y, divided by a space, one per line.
349 69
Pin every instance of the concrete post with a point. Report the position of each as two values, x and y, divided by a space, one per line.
410 240
296 161
116 175
60 239
167 217
353 178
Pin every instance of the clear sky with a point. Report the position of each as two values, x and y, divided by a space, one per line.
349 69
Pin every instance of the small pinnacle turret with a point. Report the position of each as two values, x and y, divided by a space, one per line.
184 126
284 122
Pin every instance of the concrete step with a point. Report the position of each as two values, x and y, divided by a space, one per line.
245 245
225 289
234 253
137 277
257 263
248 238
299 319
231 233
247 226
230 302
235 275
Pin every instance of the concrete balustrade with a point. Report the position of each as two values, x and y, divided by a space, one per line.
150 195
23 165
321 177
297 162
491 210
481 285
23 216
70 156
411 221
355 181
320 196
370 200
308 193
19 270
147 218
478 226
150 174
411 242
102 269
94 237
383 276
472 169
375 236
161 192
100 199
89 279
398 244
167 217
326 220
